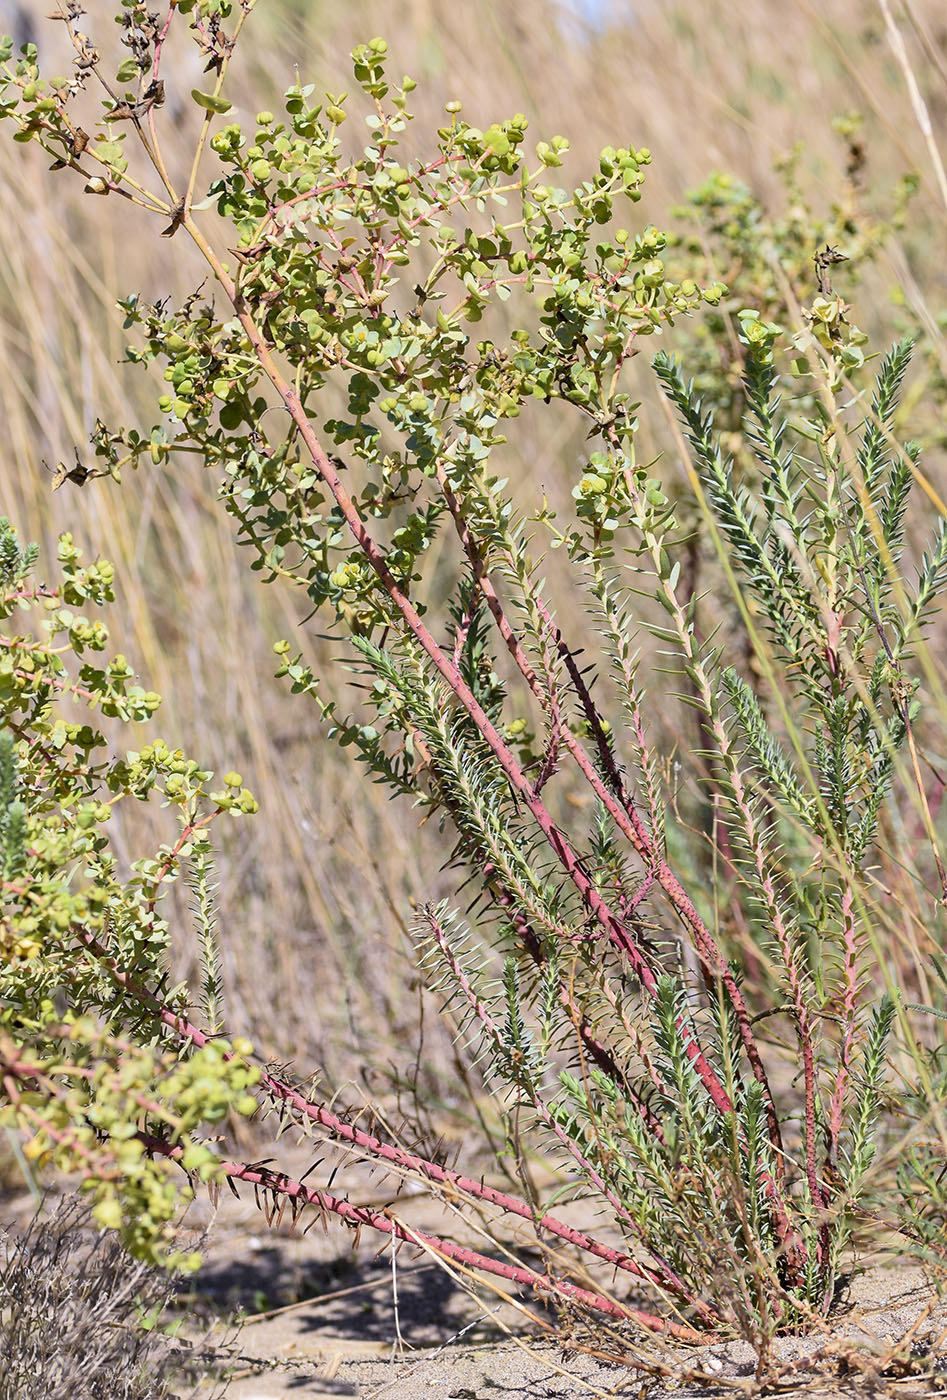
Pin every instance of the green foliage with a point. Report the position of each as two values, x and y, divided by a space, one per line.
89 1074
202 887
607 1000
770 264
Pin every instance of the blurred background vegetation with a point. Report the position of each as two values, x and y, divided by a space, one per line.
794 123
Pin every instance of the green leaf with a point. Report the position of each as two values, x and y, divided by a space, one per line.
128 71
210 102
497 141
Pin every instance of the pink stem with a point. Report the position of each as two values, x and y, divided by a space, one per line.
849 995
518 780
455 681
623 811
626 817
386 1223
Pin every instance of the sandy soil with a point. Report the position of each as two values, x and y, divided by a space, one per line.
351 1347
325 1321
320 1319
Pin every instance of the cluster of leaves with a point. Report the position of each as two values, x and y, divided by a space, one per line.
604 999
89 1075
769 263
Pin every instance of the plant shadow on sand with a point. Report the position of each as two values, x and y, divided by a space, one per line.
322 1319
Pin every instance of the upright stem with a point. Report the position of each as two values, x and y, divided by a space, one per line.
559 843
616 800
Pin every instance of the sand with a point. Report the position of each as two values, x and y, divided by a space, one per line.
320 1318
367 1330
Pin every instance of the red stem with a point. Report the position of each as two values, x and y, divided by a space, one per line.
386 1223
622 811
626 817
849 997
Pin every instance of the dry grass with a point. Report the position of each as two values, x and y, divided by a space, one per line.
81 1320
